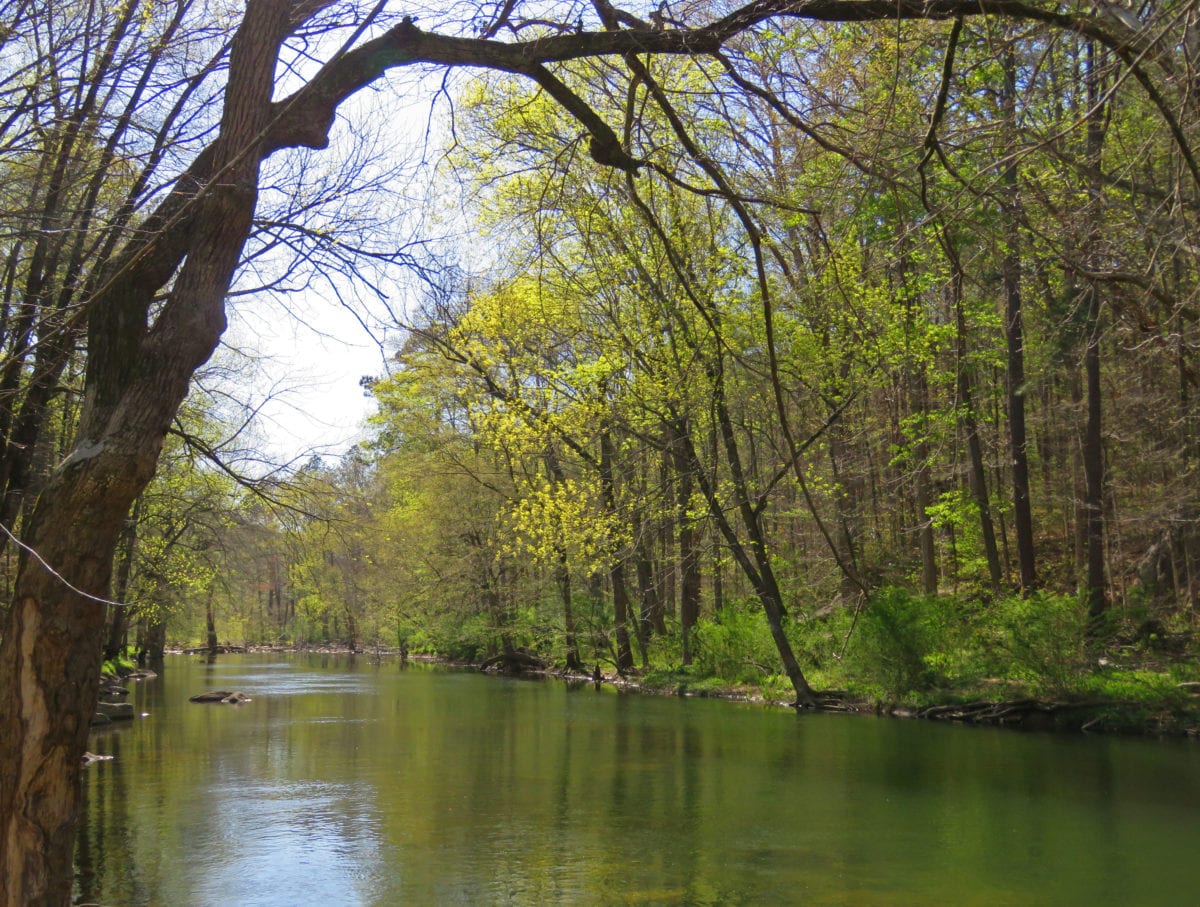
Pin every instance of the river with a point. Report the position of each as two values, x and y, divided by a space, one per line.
348 781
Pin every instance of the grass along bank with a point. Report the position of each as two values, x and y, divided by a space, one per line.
1021 662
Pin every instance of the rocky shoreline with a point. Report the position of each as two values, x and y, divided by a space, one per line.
1031 714
1028 714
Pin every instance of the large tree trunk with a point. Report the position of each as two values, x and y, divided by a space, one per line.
118 625
137 377
50 668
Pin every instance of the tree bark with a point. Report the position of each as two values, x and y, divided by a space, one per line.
1014 334
616 570
976 474
137 377
118 626
688 541
1093 450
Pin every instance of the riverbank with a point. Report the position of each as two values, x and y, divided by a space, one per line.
1006 705
1178 717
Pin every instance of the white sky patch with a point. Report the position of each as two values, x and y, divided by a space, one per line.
306 383
310 346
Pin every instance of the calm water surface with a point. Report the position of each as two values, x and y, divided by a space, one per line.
350 782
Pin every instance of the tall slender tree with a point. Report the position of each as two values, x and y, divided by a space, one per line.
155 296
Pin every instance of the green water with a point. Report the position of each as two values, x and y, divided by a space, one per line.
350 782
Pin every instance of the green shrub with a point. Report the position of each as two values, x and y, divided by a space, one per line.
819 641
735 644
777 688
536 629
120 666
1038 641
667 648
1149 687
456 637
893 647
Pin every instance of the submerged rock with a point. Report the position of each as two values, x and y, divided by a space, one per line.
112 705
111 691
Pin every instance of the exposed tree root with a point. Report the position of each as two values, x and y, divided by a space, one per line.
512 663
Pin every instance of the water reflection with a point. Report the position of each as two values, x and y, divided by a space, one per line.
360 782
308 840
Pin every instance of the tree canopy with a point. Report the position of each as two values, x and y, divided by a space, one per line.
835 294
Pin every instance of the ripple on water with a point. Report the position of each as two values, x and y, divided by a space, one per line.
292 841
293 685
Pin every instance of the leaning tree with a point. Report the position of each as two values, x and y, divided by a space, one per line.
154 306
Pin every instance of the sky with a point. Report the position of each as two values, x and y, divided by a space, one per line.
306 378
310 351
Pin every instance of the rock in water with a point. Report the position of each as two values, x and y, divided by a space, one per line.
235 697
115 711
